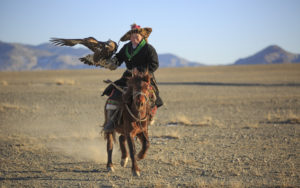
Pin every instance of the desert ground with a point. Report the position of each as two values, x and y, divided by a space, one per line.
221 126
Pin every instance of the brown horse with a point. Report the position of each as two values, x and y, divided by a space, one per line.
135 110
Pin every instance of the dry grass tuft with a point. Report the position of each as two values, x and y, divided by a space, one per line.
64 82
6 106
183 120
252 125
206 120
167 134
4 83
172 134
283 117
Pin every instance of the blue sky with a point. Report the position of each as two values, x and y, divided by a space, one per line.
206 31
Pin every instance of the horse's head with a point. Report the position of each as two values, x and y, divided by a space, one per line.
138 86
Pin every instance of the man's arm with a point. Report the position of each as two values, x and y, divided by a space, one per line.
153 62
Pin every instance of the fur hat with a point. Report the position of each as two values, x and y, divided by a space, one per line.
145 32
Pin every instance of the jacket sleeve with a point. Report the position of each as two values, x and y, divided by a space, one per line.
152 59
121 56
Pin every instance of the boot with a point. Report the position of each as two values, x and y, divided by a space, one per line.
111 119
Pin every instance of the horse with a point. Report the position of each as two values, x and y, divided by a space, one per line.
134 121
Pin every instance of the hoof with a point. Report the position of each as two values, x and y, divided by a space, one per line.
110 169
124 162
136 173
139 158
152 122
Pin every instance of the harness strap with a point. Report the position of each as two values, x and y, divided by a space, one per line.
140 93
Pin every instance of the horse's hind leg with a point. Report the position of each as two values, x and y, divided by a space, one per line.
145 145
124 157
131 145
109 139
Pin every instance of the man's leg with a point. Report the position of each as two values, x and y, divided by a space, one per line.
112 110
111 115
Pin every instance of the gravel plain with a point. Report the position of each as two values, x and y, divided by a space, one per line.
221 126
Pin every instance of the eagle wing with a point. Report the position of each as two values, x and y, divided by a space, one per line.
102 50
89 42
65 42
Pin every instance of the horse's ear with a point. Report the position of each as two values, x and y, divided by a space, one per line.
135 72
148 78
146 72
129 80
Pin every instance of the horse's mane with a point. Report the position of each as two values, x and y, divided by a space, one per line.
139 80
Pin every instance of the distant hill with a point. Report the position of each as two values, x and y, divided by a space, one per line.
170 60
270 55
17 57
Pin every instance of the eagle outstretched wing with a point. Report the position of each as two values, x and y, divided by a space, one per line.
102 50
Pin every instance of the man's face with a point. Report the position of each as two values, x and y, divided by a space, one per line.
135 38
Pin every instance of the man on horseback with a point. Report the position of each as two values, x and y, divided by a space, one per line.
139 56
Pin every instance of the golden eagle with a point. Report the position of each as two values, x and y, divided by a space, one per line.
102 50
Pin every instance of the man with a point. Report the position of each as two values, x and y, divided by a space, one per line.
139 56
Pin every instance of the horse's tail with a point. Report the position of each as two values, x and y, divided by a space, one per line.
107 135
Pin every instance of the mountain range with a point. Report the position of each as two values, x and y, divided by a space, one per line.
18 57
271 55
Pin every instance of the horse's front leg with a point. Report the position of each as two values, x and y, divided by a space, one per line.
131 145
124 157
109 139
145 145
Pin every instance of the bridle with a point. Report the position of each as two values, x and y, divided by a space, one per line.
135 94
138 119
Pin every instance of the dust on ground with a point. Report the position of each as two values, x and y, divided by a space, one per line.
233 126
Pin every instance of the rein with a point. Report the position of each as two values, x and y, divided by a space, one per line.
116 86
133 116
